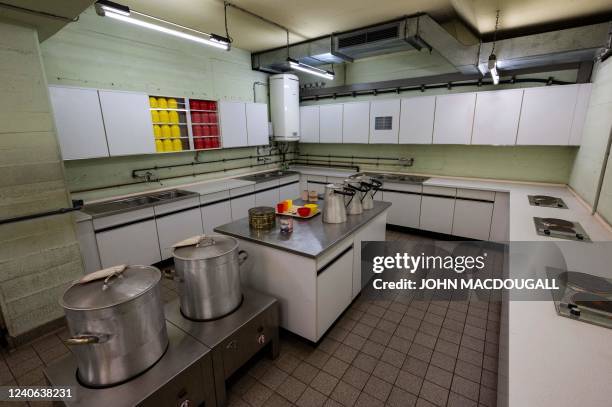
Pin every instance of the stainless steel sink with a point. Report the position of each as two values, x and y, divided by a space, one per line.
267 175
410 179
141 201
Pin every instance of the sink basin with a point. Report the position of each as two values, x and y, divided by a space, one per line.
266 175
412 179
175 193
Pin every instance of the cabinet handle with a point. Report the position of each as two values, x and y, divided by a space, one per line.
261 339
335 259
233 344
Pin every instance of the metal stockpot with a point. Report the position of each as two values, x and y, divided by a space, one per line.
208 276
117 325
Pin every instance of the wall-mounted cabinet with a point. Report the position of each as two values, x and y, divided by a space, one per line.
78 119
547 114
550 115
170 125
330 123
496 117
257 124
417 120
233 124
453 119
204 120
384 121
127 122
309 124
356 123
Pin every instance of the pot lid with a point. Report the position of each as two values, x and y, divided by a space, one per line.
205 247
115 286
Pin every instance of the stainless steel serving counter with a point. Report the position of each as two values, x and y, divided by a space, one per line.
310 237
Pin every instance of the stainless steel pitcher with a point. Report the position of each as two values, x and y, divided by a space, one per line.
334 210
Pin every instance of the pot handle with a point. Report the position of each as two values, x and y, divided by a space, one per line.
242 257
82 340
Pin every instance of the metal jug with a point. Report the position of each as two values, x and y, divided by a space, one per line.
353 203
334 210
373 185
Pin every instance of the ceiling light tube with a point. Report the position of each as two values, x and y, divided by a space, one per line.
293 64
122 13
493 69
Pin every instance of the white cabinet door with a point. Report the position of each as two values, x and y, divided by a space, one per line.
437 214
374 231
582 105
257 124
547 114
472 219
309 124
132 244
416 120
127 121
500 220
78 119
240 206
405 208
316 183
334 290
215 214
233 123
496 117
269 197
453 118
290 191
384 121
330 123
179 226
356 122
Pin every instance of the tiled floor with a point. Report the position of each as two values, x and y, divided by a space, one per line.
397 352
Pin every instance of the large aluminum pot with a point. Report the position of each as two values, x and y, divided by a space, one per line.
117 325
208 276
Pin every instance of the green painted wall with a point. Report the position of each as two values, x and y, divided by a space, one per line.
524 163
585 175
542 164
102 53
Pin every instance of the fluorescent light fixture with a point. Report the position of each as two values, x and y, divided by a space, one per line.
293 64
123 13
493 69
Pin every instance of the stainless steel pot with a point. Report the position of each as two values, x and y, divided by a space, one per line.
117 325
208 276
334 210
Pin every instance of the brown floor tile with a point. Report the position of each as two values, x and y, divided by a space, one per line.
287 362
365 362
365 400
335 367
318 358
324 383
393 357
257 395
409 382
399 344
469 355
448 348
277 401
489 379
328 345
434 393
362 329
243 384
439 376
338 333
305 372
465 387
405 332
421 402
346 353
386 371
345 394
373 349
487 397
273 377
370 320
378 388
420 352
291 389
380 337
457 400
387 326
426 340
354 341
311 398
401 398
468 371
415 366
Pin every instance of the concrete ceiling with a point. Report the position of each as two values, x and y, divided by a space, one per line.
45 25
313 18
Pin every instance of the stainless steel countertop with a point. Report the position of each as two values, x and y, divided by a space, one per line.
310 237
183 351
117 206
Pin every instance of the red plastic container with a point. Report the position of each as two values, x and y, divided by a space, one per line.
207 143
198 143
206 130
303 211
197 131
212 117
214 130
194 104
215 142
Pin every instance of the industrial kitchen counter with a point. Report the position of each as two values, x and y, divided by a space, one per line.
311 237
314 272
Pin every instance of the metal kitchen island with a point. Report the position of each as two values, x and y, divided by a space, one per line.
314 272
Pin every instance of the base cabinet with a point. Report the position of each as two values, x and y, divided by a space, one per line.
437 214
405 208
334 290
290 191
176 227
472 219
241 205
268 197
214 215
132 244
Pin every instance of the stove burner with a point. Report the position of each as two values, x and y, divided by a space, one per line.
553 223
547 201
593 302
586 283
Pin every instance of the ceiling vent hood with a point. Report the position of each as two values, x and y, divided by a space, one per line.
379 40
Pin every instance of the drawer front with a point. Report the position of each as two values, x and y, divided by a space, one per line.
122 218
187 386
291 178
215 197
476 194
267 184
439 191
252 337
242 190
188 203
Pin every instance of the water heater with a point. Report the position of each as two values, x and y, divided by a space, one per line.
285 107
